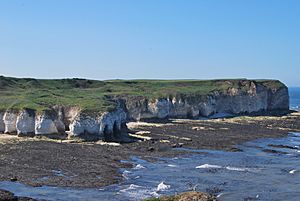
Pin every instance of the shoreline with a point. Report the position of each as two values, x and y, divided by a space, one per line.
39 162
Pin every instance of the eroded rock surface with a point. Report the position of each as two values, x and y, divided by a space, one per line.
10 120
44 124
26 122
249 98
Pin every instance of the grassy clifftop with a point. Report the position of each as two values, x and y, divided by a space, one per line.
93 95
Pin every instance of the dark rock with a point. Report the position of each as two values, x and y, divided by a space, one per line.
234 149
281 146
13 179
151 149
189 196
26 199
7 196
274 151
213 190
177 145
180 144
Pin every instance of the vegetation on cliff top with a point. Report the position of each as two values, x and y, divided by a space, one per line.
92 95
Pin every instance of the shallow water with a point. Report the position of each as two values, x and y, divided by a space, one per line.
253 173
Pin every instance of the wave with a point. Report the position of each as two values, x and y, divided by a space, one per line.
206 166
231 168
162 187
293 171
125 174
138 167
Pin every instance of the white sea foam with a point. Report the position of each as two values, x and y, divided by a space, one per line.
155 194
171 165
136 192
125 174
138 167
236 169
241 169
162 187
205 166
131 187
219 195
231 168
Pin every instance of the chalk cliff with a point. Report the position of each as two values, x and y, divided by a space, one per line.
252 98
246 98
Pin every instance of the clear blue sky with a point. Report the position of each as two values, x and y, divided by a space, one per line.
104 39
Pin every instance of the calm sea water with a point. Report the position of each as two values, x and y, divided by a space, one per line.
253 174
295 98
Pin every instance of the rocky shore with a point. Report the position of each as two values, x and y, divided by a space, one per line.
42 161
186 196
9 196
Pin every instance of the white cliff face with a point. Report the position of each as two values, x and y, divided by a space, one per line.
45 125
10 120
160 108
111 122
257 98
25 124
2 125
85 125
102 126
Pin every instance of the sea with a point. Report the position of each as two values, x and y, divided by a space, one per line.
294 98
253 174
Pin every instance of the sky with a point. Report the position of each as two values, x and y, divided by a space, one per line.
151 39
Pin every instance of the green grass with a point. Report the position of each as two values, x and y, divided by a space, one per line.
92 95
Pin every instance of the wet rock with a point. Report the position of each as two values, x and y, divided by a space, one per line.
177 145
187 196
13 179
151 149
234 149
282 146
251 198
213 190
26 199
180 144
274 151
7 196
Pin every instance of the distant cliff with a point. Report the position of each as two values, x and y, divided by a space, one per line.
102 108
